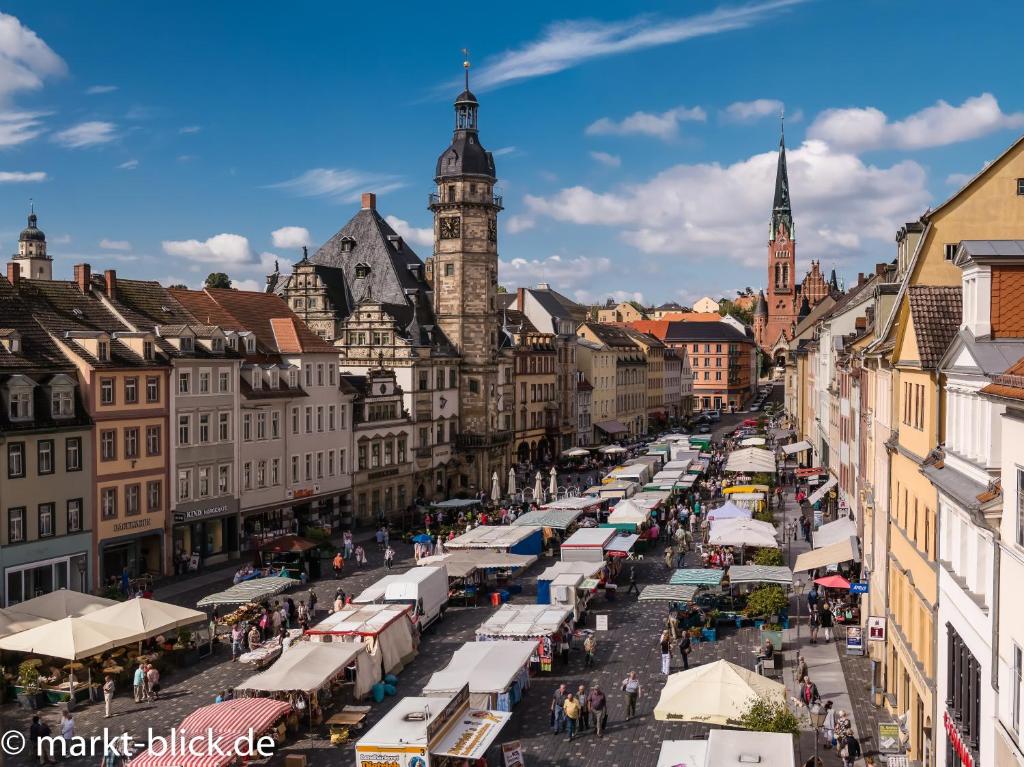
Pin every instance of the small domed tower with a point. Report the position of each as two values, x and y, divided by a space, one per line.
31 255
761 320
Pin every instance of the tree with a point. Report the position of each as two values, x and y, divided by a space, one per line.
639 307
502 289
218 280
727 307
766 602
766 715
768 557
178 285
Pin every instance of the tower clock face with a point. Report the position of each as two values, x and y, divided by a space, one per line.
450 228
492 230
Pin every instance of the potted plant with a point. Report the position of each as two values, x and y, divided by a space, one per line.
764 605
710 630
30 694
185 648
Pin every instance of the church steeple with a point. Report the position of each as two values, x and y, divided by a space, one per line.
782 212
465 156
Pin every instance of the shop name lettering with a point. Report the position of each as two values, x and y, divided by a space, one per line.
134 524
195 513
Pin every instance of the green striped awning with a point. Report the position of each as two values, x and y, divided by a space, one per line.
667 593
696 576
760 574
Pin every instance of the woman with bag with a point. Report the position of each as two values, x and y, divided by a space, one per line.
828 726
825 616
850 750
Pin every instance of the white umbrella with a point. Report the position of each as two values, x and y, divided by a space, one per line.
146 618
613 450
63 603
538 489
576 452
553 484
715 693
495 487
68 638
511 483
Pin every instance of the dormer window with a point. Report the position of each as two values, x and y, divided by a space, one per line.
147 350
257 378
62 403
20 407
347 244
273 378
293 379
103 351
218 344
250 345
362 271
186 343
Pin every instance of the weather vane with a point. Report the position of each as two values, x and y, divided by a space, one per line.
465 65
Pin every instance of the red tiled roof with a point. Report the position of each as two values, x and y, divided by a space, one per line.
936 313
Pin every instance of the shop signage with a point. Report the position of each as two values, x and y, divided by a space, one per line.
956 741
389 758
889 741
876 629
304 492
858 588
451 709
601 622
854 640
897 761
513 753
382 473
215 509
132 524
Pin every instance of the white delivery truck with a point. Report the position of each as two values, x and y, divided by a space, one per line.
425 588
374 595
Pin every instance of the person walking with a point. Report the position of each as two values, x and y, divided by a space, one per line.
346 543
814 622
598 705
571 709
338 564
389 557
849 750
139 683
631 686
581 698
557 713
108 695
153 681
825 617
236 650
37 730
685 647
67 726
801 667
312 603
666 653
632 582
828 725
809 692
589 646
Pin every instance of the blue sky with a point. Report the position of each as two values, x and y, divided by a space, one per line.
634 142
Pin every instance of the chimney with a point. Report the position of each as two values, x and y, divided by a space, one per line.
369 201
860 278
83 276
861 323
521 299
13 273
879 269
110 277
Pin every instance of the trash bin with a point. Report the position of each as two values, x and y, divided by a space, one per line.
495 598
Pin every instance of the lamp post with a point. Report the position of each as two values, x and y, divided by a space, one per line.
798 587
817 714
81 574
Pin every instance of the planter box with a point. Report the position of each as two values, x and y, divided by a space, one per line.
775 636
709 635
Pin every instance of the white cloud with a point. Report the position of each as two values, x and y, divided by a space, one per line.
190 129
663 126
567 44
128 165
958 179
86 134
95 90
417 236
559 272
222 249
341 184
711 211
20 177
253 286
290 237
183 158
61 239
611 160
618 296
19 127
25 60
749 111
115 244
516 224
504 150
868 128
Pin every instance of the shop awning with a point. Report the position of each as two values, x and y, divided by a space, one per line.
797 447
524 622
255 590
844 551
697 576
621 545
761 574
667 593
471 736
818 494
288 544
487 667
612 427
805 473
308 666
833 532
559 519
464 562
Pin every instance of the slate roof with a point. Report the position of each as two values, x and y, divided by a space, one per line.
558 305
703 331
37 349
612 335
645 338
936 312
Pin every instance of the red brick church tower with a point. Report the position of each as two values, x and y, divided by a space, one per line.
781 303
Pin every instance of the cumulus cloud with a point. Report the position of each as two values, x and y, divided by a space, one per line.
416 235
941 124
86 134
19 177
749 111
128 165
290 237
518 223
611 160
713 211
567 44
25 60
95 90
343 184
559 272
224 249
618 296
190 129
664 125
115 244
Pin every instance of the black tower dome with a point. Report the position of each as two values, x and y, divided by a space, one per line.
32 233
465 156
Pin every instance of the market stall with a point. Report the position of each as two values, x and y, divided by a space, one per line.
464 564
780 574
540 623
842 529
249 591
514 540
556 519
678 594
315 669
431 732
613 490
697 576
387 630
269 650
497 674
743 532
751 460
621 545
752 502
591 571
728 510
290 556
629 516
587 544
766 749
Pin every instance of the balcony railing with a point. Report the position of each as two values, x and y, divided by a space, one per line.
496 200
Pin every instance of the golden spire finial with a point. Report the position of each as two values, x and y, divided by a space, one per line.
465 65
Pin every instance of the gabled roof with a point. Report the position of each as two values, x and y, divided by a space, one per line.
36 348
611 335
935 311
558 305
704 331
644 338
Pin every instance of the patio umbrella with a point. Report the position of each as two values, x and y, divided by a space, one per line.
68 639
715 693
613 450
833 582
511 482
495 487
145 618
575 452
553 485
538 488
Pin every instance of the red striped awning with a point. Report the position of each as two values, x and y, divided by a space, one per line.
149 759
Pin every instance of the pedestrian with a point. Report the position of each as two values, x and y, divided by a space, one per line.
581 698
814 622
389 557
631 686
302 612
632 581
563 645
589 646
108 696
338 564
67 726
312 603
360 556
236 648
809 692
849 750
826 620
571 710
801 667
221 697
339 602
37 730
666 653
254 637
346 542
669 556
379 536
828 725
685 646
843 727
557 713
598 706
153 679
139 683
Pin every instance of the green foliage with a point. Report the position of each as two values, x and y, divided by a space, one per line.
765 515
763 715
766 602
727 307
768 557
218 280
179 285
28 676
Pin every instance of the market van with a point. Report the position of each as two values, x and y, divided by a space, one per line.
425 588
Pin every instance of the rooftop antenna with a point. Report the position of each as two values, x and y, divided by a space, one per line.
31 205
465 65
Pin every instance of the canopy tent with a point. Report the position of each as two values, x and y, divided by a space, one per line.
310 666
587 543
575 452
456 503
683 753
559 519
733 747
743 532
465 562
68 638
696 576
13 622
750 459
818 494
796 447
523 622
760 574
667 593
621 545
843 551
753 441
651 499
62 603
255 590
833 532
515 540
628 512
611 427
140 618
573 503
833 582
288 544
714 693
489 668
386 629
729 510
586 569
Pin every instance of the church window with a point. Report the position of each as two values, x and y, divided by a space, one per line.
362 271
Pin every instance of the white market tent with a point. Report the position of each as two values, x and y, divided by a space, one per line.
62 603
833 532
761 574
587 543
67 638
724 747
797 447
657 592
465 562
617 489
586 569
627 512
650 499
255 590
753 442
13 622
496 537
683 753
714 693
572 503
842 551
309 666
559 519
489 668
750 460
729 510
523 622
140 618
621 545
742 532
387 630
818 494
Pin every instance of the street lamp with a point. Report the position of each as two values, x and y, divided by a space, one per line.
798 587
817 713
81 574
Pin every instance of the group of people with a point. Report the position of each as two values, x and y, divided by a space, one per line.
578 712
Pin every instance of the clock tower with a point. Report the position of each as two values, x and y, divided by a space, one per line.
781 296
464 270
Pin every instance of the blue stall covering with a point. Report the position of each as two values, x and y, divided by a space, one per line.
543 592
532 544
586 569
